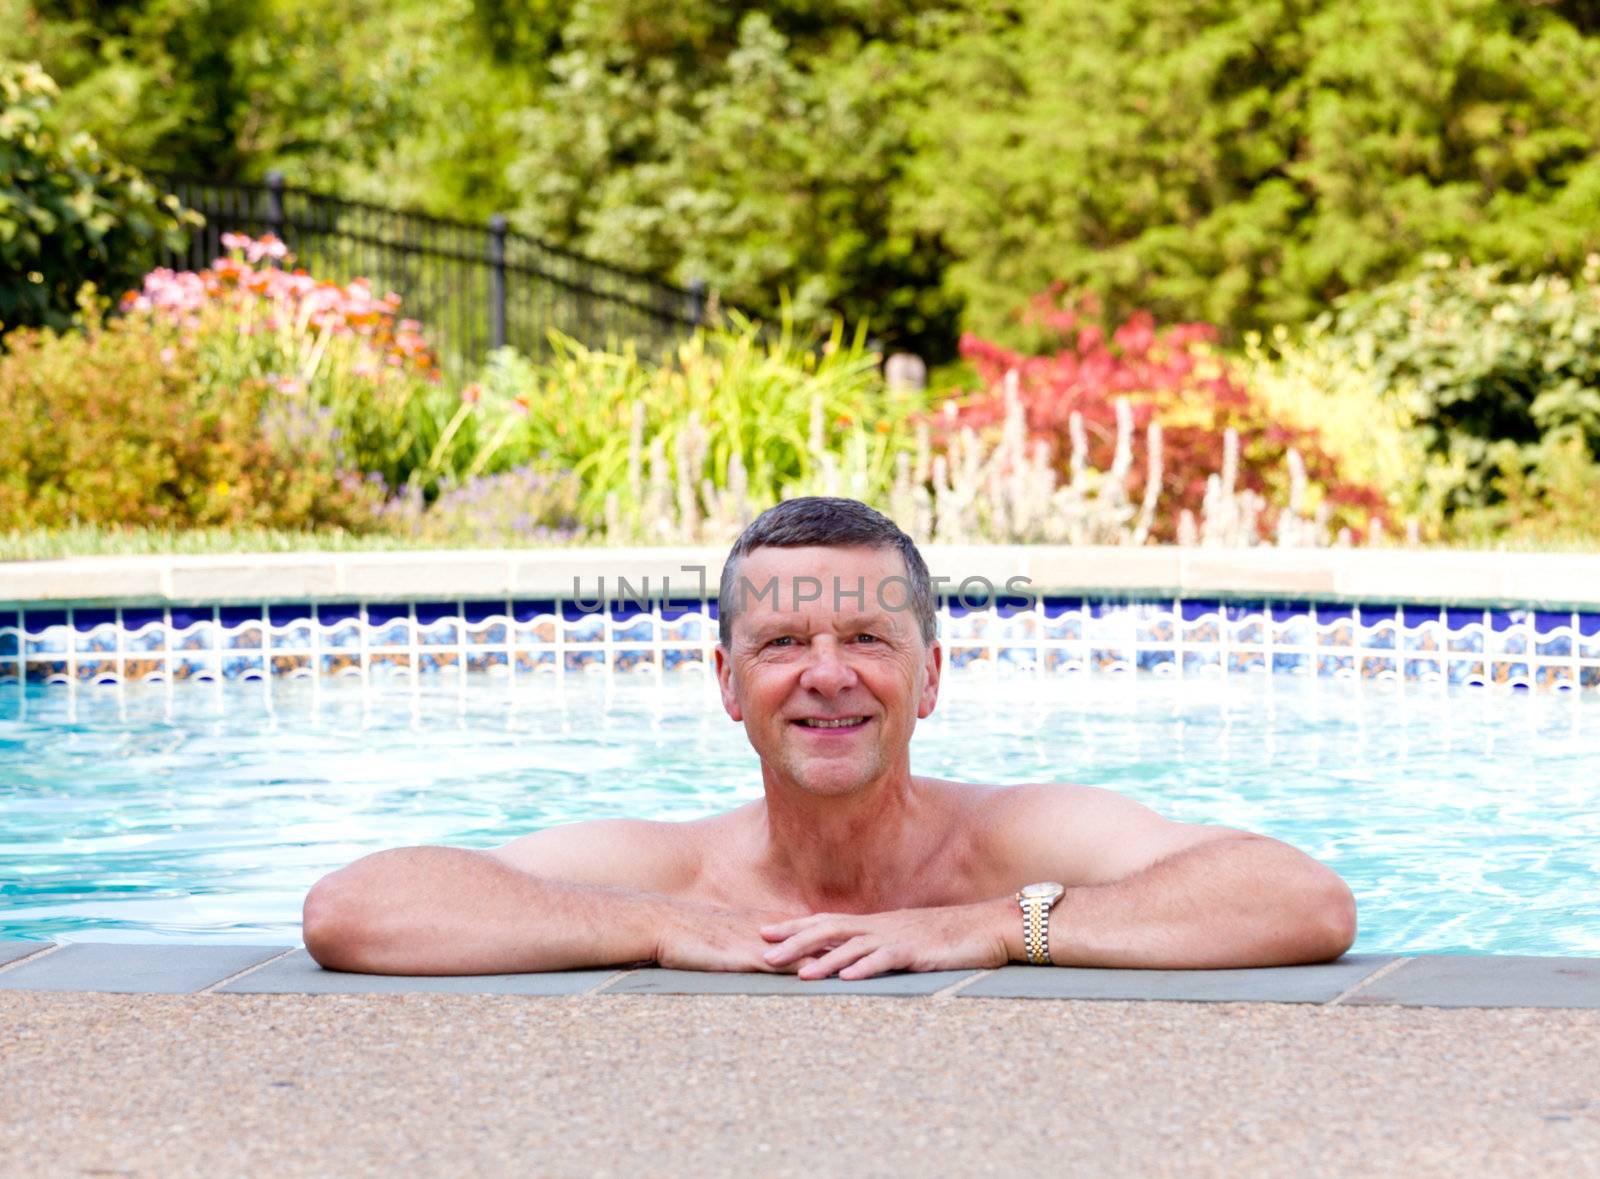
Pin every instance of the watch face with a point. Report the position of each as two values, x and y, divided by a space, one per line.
1042 891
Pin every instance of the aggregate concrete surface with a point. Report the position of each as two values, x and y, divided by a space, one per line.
625 1085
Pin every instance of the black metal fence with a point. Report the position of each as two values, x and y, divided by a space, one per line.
473 287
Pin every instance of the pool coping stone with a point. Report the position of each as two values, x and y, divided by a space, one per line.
1500 980
1321 983
1369 980
656 981
12 951
1456 577
297 974
134 967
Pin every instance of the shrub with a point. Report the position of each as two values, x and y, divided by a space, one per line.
729 407
513 507
69 215
1311 380
1476 361
1543 495
117 426
335 346
1171 375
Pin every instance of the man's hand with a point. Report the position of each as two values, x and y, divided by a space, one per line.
706 937
951 937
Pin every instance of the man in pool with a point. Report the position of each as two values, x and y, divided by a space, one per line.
850 865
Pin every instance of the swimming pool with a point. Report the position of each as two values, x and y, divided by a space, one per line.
1465 821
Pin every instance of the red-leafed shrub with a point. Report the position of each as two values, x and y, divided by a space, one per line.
1173 374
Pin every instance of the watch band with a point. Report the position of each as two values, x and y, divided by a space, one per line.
1036 928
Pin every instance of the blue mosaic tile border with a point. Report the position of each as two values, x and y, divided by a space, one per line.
1174 637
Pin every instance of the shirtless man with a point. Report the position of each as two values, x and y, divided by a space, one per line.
850 864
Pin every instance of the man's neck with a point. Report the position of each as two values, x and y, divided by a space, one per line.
855 852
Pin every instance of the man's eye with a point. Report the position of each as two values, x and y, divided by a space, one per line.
865 638
780 640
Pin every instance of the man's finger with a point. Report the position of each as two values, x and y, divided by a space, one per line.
852 950
808 941
779 930
881 959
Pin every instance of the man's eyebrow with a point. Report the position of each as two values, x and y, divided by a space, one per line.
874 621
791 621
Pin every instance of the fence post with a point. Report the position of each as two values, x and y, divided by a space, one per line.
275 204
497 281
697 301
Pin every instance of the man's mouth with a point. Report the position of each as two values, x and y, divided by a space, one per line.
843 722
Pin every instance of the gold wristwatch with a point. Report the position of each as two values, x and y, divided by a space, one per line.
1037 900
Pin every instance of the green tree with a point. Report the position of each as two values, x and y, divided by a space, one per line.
69 213
1247 161
152 81
757 152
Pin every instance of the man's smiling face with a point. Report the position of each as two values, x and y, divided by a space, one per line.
829 684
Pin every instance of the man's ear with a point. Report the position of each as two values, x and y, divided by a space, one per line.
931 666
730 702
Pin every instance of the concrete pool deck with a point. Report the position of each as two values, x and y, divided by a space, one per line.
607 1084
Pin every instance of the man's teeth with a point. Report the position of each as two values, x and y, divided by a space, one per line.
844 722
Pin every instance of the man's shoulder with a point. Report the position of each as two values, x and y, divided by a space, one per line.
1020 802
651 855
1076 834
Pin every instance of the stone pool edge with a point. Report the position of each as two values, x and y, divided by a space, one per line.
1492 580
1356 980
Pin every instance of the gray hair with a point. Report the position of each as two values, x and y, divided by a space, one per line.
833 522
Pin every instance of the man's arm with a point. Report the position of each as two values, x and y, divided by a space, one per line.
1233 901
588 894
1145 891
1142 891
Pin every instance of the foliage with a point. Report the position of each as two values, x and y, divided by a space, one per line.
1476 362
748 403
396 102
69 214
1241 162
334 346
92 540
1246 161
516 507
151 80
756 150
1312 380
116 427
1172 375
981 488
1542 495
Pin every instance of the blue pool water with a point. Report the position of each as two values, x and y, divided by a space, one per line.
1465 821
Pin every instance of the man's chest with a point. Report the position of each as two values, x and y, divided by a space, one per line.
956 875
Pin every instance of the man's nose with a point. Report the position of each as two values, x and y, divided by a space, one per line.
827 670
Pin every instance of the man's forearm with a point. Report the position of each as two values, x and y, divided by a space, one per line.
440 910
1230 903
